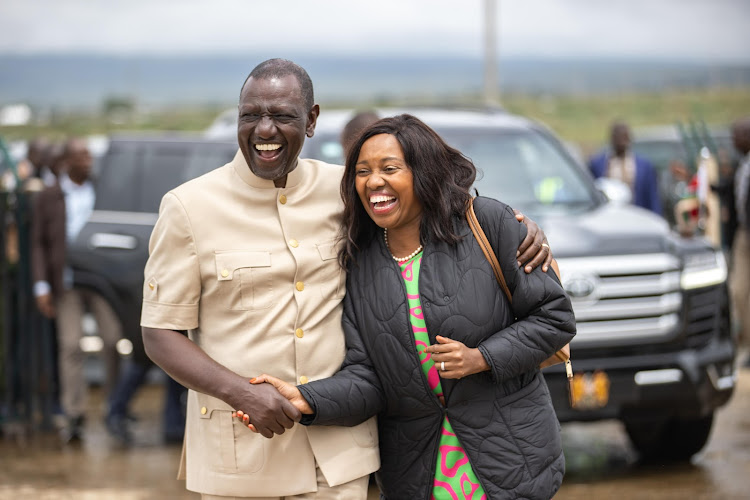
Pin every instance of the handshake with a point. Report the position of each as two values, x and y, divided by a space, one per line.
276 405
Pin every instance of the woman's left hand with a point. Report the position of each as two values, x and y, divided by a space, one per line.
454 360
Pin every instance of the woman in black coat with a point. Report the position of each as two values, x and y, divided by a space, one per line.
434 348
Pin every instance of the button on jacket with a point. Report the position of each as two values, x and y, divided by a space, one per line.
251 271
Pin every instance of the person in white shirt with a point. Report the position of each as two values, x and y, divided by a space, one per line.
60 212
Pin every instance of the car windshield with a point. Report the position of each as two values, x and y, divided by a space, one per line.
523 168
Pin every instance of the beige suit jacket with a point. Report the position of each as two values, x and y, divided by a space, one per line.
250 270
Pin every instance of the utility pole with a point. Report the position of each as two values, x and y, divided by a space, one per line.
491 89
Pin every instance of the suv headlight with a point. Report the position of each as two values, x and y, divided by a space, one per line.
703 269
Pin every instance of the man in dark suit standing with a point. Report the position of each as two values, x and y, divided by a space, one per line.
621 163
60 212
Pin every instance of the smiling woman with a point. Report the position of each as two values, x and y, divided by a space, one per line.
434 330
385 186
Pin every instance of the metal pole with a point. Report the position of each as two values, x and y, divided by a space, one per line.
491 89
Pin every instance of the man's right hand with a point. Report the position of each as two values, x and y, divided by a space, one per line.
287 390
45 305
270 413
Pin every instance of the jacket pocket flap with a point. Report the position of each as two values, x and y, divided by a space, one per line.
327 250
207 405
228 262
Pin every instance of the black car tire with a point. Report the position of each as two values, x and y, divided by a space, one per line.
673 439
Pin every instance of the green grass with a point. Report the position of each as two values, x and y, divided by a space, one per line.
585 120
581 119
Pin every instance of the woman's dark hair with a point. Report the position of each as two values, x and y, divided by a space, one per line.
442 179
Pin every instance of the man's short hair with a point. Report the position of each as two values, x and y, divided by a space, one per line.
279 68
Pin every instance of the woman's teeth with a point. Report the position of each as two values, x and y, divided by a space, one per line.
381 198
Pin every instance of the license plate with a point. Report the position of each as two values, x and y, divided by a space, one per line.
589 391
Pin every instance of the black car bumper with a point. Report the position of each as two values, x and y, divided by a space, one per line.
686 383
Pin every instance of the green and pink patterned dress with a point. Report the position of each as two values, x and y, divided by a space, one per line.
454 477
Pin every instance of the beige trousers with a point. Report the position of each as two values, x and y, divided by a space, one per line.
353 490
740 283
71 307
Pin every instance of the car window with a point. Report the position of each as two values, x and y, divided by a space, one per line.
207 157
324 147
137 175
162 169
167 166
115 185
523 168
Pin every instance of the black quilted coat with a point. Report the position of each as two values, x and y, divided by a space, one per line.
504 417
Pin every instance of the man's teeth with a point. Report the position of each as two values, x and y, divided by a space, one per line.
378 199
267 147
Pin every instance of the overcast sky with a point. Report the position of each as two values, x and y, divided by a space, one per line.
707 30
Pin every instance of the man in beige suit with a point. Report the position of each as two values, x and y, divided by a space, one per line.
245 259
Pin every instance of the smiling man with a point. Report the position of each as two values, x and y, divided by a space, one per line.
244 259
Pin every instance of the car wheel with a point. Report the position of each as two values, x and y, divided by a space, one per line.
675 439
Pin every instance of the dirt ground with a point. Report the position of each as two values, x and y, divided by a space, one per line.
601 464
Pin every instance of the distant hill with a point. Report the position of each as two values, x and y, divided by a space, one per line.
72 81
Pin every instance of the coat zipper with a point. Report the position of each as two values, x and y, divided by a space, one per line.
443 409
425 384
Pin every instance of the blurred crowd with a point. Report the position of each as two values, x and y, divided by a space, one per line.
47 198
703 191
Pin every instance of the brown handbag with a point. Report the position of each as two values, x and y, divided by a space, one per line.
561 356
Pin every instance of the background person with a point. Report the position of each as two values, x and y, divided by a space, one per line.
34 162
433 348
53 164
355 126
623 164
60 212
740 275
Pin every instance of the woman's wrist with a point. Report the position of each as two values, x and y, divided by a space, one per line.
305 406
478 363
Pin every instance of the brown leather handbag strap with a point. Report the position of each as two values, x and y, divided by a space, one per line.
561 356
484 244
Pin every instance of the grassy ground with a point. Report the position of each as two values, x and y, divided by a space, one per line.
581 119
585 119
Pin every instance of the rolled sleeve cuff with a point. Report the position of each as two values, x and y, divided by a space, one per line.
488 358
169 316
308 419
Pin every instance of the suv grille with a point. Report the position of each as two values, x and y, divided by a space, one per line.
706 311
624 300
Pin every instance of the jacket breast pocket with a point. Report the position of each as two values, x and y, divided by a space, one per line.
332 275
245 279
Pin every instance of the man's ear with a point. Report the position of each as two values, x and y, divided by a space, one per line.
312 119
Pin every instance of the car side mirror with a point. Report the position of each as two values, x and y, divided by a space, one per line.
615 191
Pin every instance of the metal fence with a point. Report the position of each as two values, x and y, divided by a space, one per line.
28 393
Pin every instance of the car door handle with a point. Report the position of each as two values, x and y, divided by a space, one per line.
111 240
